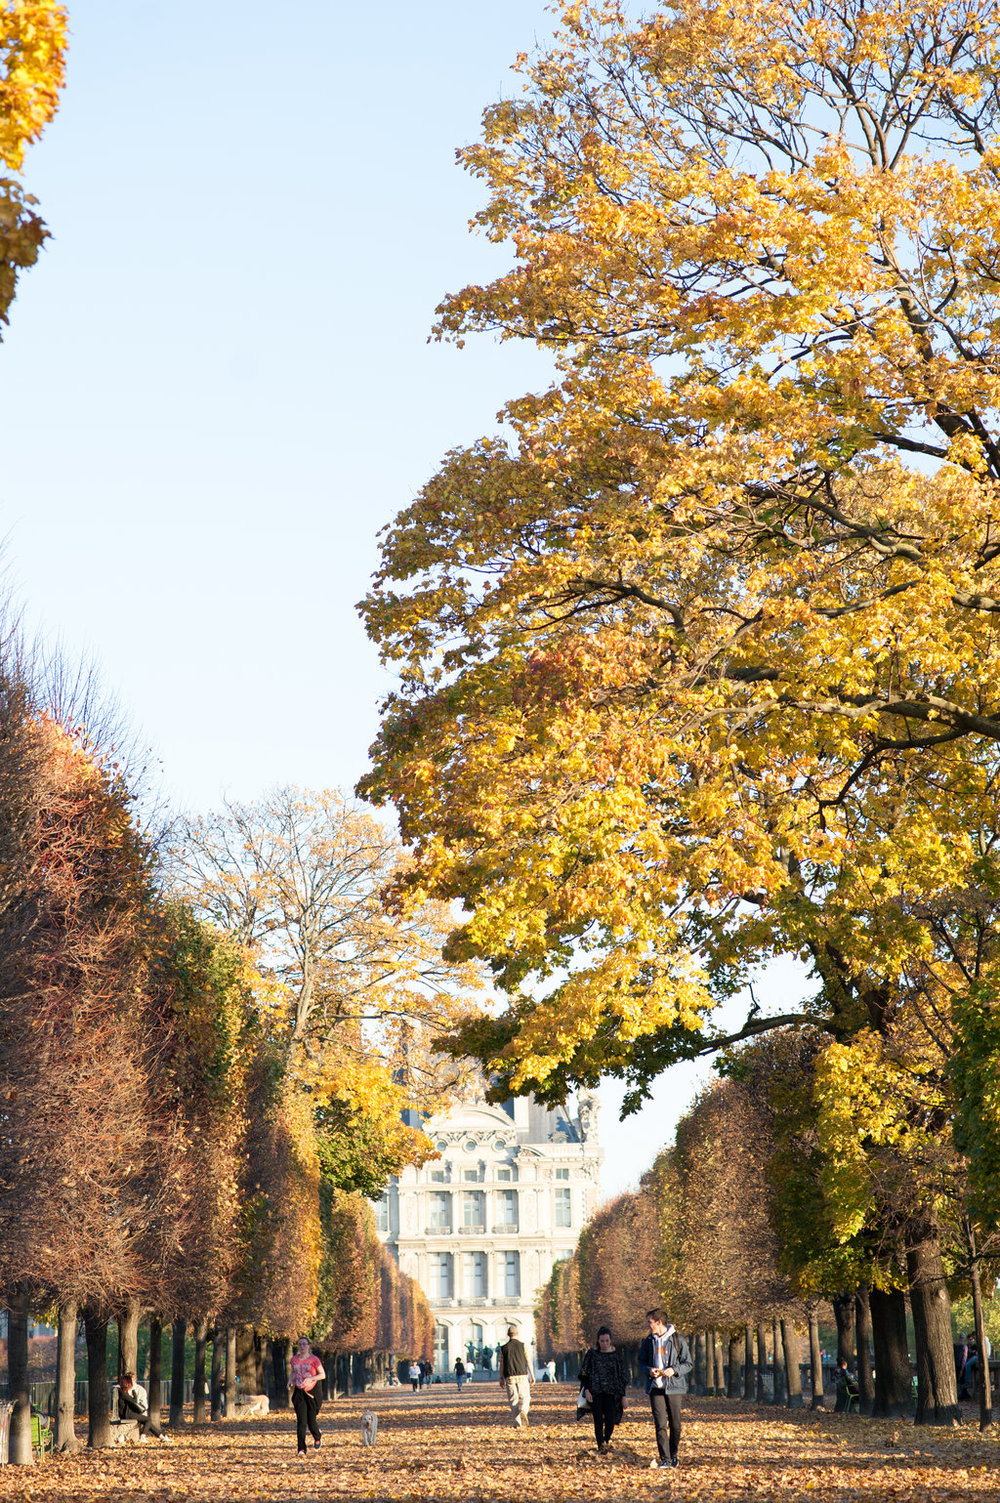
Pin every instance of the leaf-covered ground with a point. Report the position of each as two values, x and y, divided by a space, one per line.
439 1447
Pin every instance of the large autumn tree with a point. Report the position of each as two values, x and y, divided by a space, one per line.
712 624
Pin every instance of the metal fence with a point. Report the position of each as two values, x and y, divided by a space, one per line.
43 1395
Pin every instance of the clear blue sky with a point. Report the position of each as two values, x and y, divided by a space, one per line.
217 385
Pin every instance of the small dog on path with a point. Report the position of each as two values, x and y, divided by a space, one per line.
369 1427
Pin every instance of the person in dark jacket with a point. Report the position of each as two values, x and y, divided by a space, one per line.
516 1377
666 1360
604 1379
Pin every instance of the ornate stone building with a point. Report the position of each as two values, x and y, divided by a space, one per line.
480 1227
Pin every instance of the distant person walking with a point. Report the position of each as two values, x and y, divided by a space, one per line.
307 1373
515 1376
416 1376
459 1373
666 1361
604 1379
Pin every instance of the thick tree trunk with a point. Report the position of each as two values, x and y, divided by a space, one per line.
815 1363
230 1372
281 1350
98 1396
720 1366
843 1310
128 1340
699 1363
762 1397
177 1355
18 1392
246 1359
777 1363
200 1392
893 1389
748 1363
937 1390
218 1371
863 1337
793 1373
985 1385
155 1390
66 1437
733 1390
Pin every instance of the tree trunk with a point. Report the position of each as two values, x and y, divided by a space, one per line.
793 1373
65 1437
18 1392
246 1359
720 1366
259 1365
177 1355
762 1364
748 1363
843 1310
155 1391
777 1364
863 1334
699 1363
815 1362
733 1389
98 1397
893 1389
128 1340
937 1390
218 1370
975 1279
200 1394
281 1351
230 1372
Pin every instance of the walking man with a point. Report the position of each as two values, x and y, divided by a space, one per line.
515 1376
666 1361
307 1373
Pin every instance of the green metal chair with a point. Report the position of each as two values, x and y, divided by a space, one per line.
42 1438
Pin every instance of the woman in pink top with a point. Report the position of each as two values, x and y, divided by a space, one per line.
307 1372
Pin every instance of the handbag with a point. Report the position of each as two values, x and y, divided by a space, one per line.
582 1404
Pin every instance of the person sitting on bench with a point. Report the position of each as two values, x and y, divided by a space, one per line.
133 1403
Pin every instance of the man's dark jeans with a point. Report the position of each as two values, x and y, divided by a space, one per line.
667 1419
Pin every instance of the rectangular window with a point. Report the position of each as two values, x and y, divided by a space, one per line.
440 1270
511 1275
564 1208
562 1174
508 1209
439 1176
503 1174
382 1213
440 1211
471 1176
474 1211
474 1275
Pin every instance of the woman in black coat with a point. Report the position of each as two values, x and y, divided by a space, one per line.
604 1378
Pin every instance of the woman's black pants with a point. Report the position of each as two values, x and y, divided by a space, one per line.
605 1411
306 1409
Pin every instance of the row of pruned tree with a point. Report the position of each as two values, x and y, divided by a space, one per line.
180 1139
774 1203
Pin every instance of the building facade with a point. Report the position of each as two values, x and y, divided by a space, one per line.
481 1226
